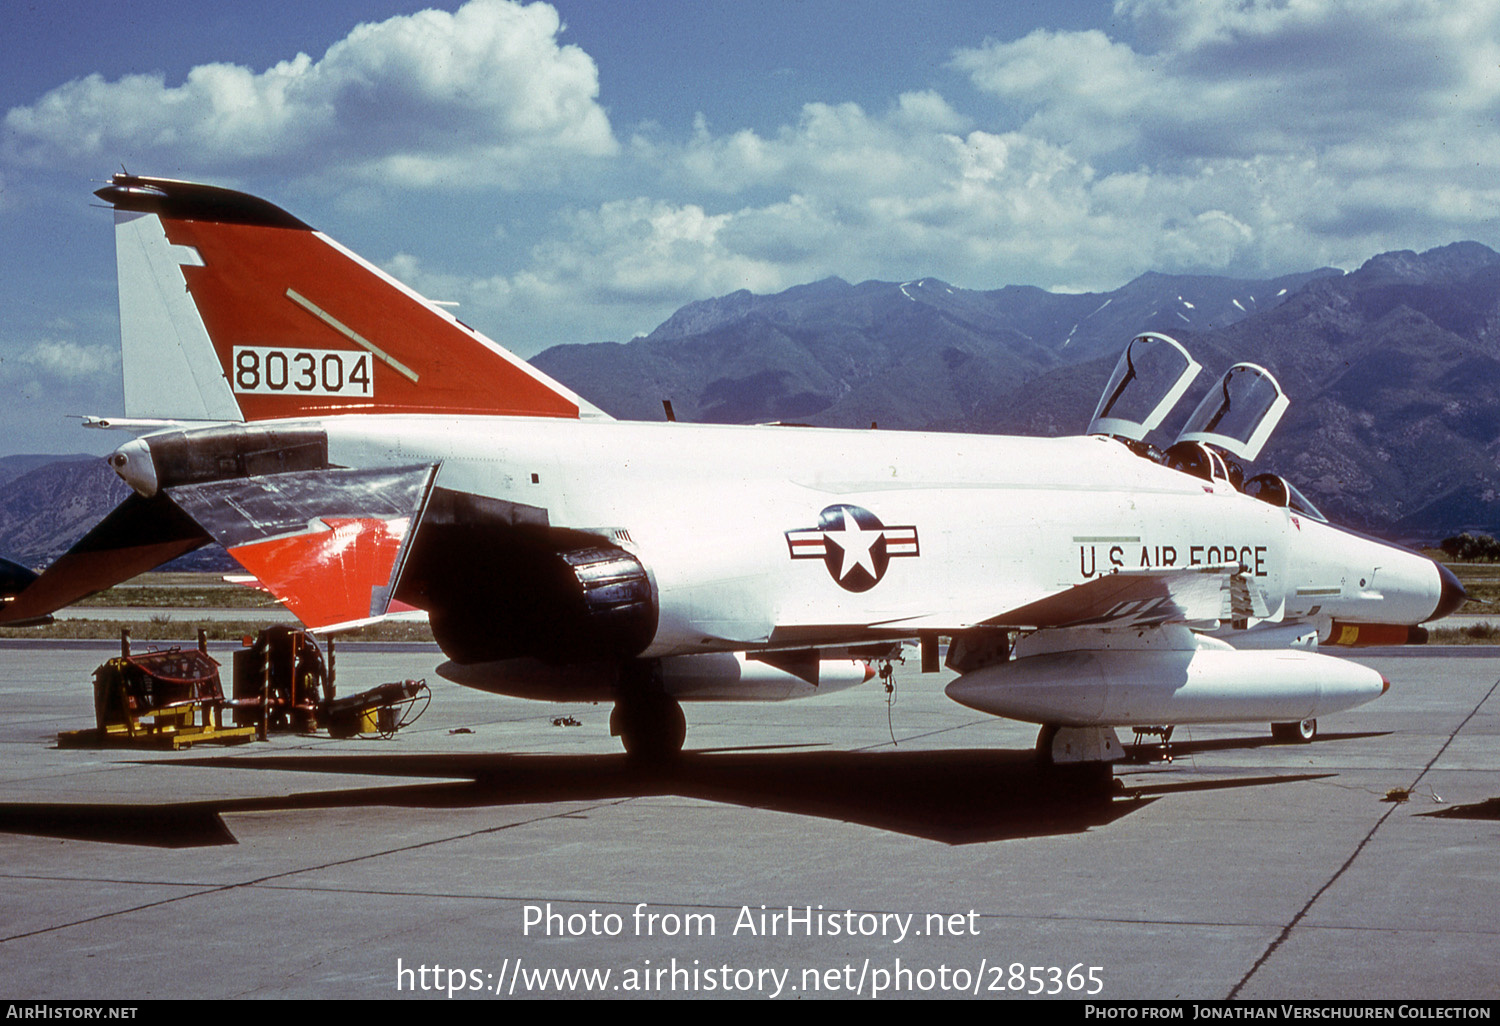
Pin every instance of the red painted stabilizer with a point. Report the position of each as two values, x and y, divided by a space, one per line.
328 543
328 577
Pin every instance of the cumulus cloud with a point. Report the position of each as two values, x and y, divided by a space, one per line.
898 194
485 95
828 144
40 376
1237 78
48 379
626 263
61 360
1233 136
1237 136
1358 121
917 190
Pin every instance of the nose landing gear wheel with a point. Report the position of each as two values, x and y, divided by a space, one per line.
1299 733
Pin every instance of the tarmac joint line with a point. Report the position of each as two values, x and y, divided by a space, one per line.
1286 931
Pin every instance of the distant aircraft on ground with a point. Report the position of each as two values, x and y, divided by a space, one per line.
351 443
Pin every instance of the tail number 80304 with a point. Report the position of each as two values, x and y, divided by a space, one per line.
264 370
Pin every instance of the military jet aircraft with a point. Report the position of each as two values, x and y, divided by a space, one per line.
353 444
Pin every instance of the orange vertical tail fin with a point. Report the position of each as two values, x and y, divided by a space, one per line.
233 309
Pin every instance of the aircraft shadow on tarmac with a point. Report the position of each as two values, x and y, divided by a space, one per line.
1487 809
960 796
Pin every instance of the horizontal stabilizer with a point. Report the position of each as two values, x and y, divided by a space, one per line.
14 578
139 535
329 544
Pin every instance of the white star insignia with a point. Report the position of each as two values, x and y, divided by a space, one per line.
856 543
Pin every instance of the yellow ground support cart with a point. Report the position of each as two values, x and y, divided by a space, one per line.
170 697
173 697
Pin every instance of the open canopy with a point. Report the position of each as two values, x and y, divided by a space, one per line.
1150 378
1239 413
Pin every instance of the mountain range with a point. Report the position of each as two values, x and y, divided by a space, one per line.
917 355
1393 371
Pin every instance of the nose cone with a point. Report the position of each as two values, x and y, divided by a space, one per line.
1453 594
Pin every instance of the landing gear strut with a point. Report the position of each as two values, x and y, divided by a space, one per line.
646 719
1079 758
1071 746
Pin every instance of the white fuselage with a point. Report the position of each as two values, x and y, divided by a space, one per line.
996 522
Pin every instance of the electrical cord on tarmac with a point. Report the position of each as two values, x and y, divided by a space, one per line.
888 678
411 707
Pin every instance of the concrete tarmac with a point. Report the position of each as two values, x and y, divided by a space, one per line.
794 852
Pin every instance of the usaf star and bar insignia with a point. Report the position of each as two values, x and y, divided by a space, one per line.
855 546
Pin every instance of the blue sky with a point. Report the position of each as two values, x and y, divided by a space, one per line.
576 171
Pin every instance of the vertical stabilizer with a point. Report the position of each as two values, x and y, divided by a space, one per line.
232 309
169 362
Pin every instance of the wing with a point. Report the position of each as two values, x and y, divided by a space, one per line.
1138 598
1150 600
1127 598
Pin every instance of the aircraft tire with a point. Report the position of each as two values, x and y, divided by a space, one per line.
1299 733
652 727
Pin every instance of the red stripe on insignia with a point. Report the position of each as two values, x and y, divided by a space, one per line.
806 544
901 541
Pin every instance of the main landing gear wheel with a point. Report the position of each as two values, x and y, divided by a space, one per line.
646 719
652 731
1299 733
